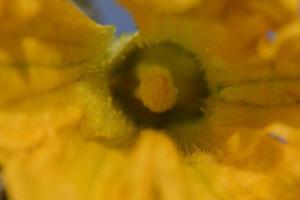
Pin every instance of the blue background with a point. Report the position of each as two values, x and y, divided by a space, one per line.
109 12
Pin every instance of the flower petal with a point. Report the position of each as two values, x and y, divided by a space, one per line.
42 47
45 46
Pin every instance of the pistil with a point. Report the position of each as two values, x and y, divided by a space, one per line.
156 88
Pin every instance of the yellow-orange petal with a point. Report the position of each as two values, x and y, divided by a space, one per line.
42 47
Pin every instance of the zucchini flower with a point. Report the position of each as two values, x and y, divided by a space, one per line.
201 103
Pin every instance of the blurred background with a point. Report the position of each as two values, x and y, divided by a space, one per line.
108 12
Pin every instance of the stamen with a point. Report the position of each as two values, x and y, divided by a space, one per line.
156 88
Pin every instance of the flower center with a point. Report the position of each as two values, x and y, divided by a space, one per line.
156 88
159 86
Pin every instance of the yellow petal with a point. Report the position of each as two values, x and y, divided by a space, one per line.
65 166
229 29
42 46
62 167
174 6
45 46
28 123
153 171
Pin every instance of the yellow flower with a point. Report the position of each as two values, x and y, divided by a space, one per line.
201 104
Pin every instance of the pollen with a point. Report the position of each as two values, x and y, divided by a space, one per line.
156 88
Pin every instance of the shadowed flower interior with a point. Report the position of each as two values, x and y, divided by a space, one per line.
159 85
